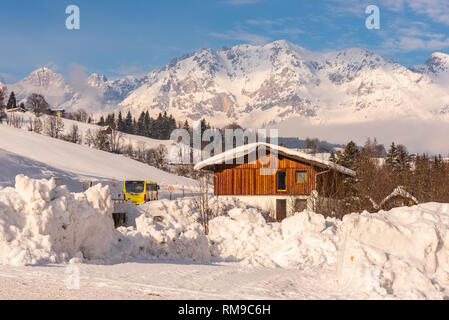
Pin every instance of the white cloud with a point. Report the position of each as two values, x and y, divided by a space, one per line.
417 135
414 36
437 10
264 22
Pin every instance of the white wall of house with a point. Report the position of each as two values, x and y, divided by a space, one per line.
268 202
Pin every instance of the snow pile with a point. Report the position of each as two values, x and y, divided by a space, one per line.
403 252
166 230
400 253
298 241
41 222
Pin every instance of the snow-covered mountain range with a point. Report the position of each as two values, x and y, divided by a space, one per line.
257 85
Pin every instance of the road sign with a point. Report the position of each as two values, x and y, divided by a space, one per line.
171 189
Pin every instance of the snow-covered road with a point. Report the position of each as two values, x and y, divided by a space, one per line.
154 280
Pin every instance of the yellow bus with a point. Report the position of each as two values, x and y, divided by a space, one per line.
139 192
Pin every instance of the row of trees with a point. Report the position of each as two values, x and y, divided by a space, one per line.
159 128
425 177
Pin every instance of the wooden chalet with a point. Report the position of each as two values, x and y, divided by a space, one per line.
280 180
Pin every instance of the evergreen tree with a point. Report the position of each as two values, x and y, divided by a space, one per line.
392 158
140 126
12 102
157 127
101 122
120 122
403 158
110 120
186 126
129 123
147 124
349 155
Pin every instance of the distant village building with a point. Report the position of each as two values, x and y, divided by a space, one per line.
290 186
106 129
18 109
57 112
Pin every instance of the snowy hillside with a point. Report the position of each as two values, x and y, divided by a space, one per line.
39 156
258 85
135 140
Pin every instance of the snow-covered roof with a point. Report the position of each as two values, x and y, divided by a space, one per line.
290 153
399 191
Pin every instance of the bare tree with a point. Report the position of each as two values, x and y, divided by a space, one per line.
101 141
14 120
140 152
80 115
158 157
53 126
2 103
74 135
201 202
89 138
37 104
129 150
115 141
37 125
184 170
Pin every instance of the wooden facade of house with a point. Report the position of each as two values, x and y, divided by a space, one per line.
291 177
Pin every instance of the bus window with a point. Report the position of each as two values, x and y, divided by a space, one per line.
134 186
152 187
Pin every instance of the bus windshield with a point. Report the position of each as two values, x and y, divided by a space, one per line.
134 186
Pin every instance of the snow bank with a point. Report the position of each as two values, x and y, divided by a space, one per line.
401 253
166 230
296 242
41 222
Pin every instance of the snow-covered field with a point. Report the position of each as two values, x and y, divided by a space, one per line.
46 232
135 140
39 156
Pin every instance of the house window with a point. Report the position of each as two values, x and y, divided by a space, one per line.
281 181
301 176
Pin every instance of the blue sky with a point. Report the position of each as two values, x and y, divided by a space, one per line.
136 36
